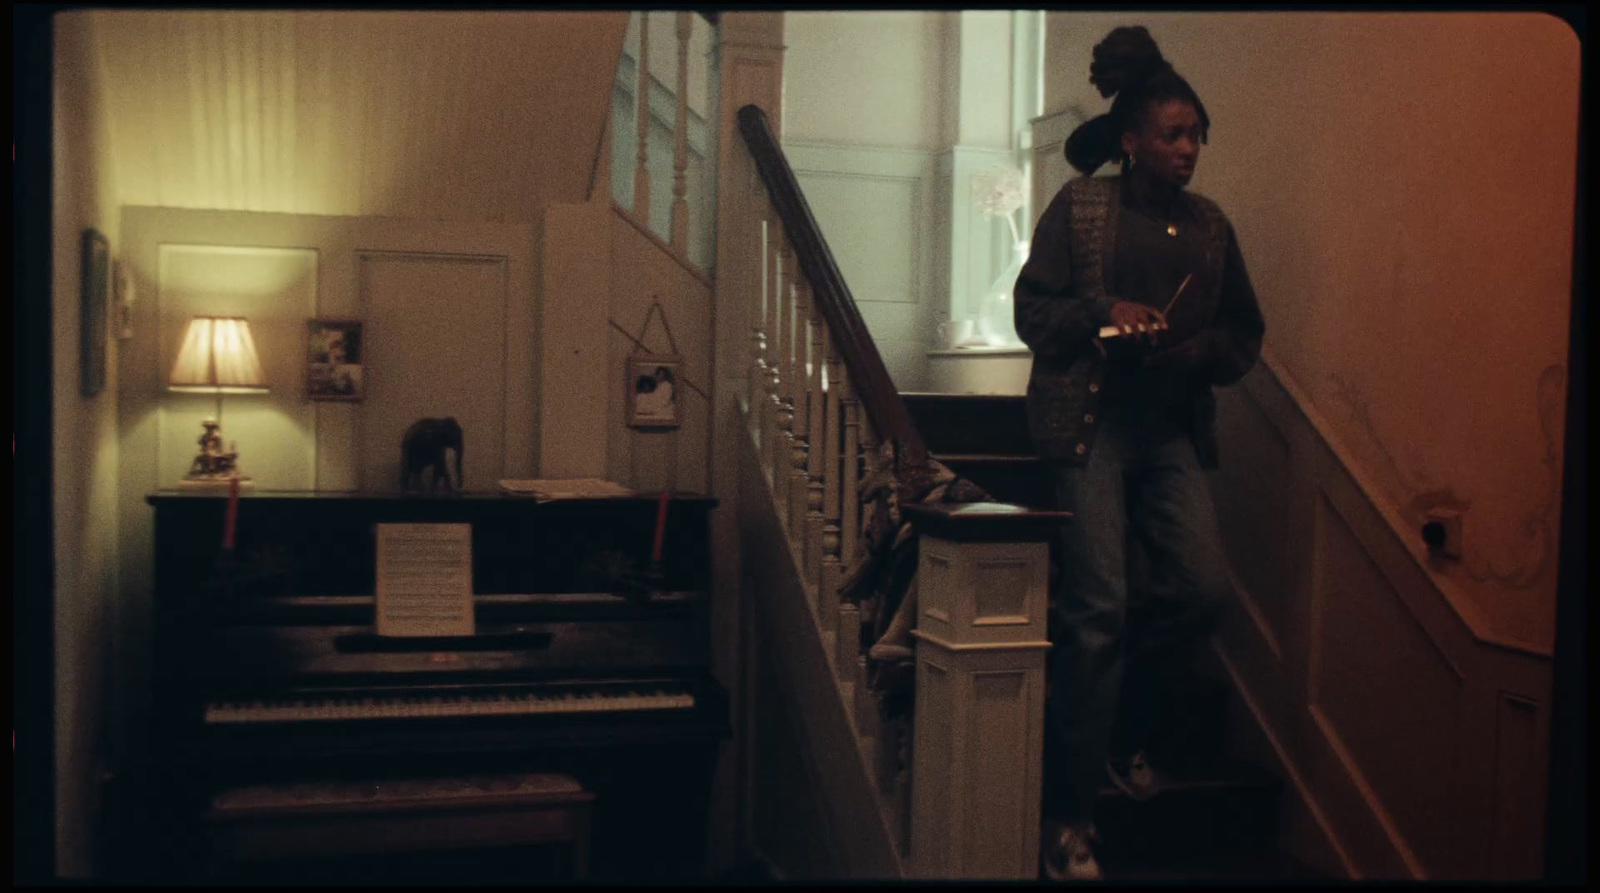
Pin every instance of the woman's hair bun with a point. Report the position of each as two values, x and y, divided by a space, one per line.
1093 144
1127 55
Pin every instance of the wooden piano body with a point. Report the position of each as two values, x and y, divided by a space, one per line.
589 660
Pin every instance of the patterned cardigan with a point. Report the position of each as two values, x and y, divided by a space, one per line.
1061 303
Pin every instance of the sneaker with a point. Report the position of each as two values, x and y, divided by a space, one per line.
1068 854
1136 777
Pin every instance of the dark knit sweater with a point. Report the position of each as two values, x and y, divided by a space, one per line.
1065 293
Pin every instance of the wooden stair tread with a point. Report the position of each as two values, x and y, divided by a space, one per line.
987 458
1228 774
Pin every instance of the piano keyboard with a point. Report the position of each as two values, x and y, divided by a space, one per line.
430 706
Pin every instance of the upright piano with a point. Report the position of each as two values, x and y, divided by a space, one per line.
590 658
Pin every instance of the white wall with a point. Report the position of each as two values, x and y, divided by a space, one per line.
864 78
865 114
1403 189
85 445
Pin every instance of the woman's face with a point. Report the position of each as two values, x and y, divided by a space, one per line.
1168 146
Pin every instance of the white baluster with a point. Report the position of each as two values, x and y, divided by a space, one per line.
777 356
799 399
815 449
680 158
832 490
848 646
641 170
866 711
756 285
850 531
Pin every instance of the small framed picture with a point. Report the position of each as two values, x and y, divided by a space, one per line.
333 359
654 386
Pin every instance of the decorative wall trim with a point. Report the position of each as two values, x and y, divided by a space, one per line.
1300 787
1386 791
677 256
1050 131
1423 493
877 208
1392 515
908 170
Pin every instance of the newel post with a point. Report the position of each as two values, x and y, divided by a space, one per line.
983 592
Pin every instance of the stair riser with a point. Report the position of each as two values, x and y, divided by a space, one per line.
1026 484
1180 824
990 425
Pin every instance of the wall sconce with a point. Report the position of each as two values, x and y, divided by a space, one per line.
218 357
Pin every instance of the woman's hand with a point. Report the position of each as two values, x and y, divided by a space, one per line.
1135 318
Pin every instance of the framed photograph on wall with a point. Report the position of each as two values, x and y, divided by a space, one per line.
333 359
96 297
653 392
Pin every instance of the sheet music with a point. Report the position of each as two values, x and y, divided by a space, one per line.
569 488
425 580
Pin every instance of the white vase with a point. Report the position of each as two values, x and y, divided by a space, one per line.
997 325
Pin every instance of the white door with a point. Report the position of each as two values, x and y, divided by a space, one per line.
436 346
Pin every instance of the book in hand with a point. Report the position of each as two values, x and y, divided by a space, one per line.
1116 331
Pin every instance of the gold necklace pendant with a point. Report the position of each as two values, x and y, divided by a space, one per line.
1172 229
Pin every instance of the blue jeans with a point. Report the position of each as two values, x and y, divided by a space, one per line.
1144 494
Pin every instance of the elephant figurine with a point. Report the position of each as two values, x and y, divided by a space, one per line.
424 445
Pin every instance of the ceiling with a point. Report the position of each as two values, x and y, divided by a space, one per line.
442 115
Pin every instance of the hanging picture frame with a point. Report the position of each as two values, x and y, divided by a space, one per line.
654 390
95 299
333 359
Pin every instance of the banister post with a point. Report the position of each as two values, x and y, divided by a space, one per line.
978 729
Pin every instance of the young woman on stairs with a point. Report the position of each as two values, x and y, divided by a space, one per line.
1135 302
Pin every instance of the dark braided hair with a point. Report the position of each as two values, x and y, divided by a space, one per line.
1128 65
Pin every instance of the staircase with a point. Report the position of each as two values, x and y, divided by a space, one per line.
1220 819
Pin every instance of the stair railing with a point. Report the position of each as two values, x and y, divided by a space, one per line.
957 782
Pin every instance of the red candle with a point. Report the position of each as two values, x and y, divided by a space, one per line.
231 521
661 526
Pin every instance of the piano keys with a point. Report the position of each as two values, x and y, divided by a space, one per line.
590 658
366 704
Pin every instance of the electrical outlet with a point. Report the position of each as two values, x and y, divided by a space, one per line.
1442 532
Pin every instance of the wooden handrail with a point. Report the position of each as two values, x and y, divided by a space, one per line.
867 372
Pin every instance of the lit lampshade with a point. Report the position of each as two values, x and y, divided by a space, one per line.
218 357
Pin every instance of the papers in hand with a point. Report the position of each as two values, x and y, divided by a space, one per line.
570 488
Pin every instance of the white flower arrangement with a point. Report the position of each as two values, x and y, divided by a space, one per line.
997 191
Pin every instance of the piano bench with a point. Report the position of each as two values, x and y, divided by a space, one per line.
267 823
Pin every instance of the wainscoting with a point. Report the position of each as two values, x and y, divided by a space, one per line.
877 208
1414 744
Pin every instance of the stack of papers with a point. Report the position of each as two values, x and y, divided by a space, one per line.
571 488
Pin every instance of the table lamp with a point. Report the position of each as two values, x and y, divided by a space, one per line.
218 356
